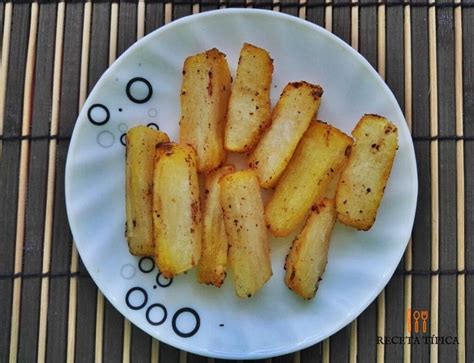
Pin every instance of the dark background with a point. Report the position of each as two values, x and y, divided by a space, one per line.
36 248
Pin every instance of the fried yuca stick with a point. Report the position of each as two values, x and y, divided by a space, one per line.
205 95
321 153
176 209
249 252
297 106
362 183
213 262
249 111
140 151
308 256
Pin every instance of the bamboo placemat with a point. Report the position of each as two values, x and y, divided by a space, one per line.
52 54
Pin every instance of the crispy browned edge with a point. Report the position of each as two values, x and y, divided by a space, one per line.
315 209
264 126
362 225
209 52
196 215
252 164
203 276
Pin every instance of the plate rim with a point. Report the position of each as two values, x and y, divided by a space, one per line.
382 283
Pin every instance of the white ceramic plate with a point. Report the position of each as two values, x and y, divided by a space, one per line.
142 86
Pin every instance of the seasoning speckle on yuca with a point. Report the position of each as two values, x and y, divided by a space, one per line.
205 95
308 256
297 106
213 262
249 111
176 209
362 183
140 162
249 252
320 155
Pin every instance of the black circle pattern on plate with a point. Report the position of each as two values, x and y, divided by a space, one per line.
144 269
163 284
96 122
175 318
129 93
123 139
130 292
148 311
153 126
